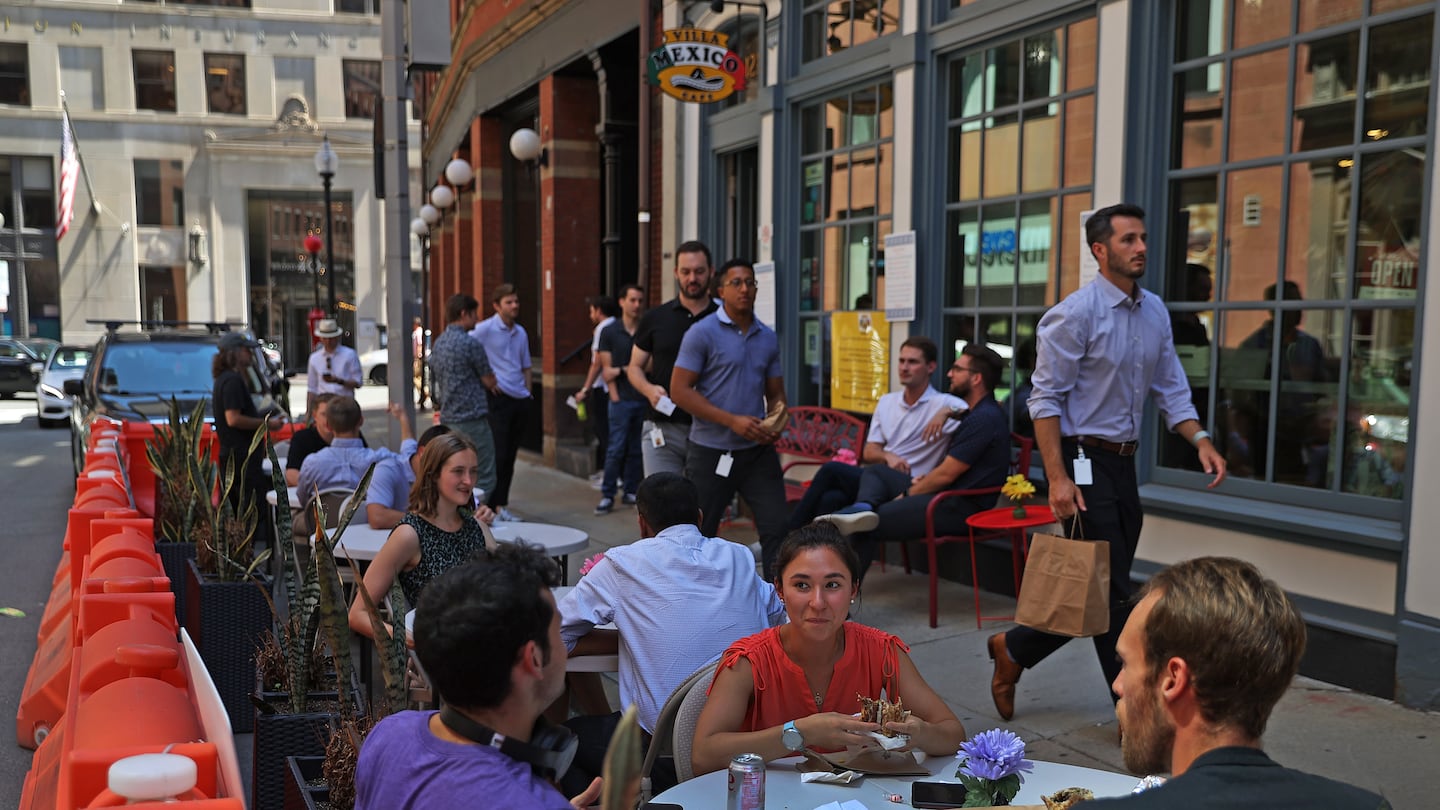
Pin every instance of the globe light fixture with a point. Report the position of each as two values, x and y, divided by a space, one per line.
525 146
442 197
430 214
419 227
458 172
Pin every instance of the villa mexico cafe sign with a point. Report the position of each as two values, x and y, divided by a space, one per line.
696 66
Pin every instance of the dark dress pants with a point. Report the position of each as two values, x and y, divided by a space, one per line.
508 416
1112 505
597 406
755 475
834 487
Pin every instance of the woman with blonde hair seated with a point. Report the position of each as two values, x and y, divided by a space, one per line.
799 685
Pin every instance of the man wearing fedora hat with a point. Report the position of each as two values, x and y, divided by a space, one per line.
334 369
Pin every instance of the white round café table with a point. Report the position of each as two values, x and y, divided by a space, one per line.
294 493
558 541
785 791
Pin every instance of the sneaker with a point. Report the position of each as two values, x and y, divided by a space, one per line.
504 515
853 522
605 505
596 479
628 500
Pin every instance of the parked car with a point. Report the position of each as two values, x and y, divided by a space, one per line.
374 366
21 360
132 376
52 404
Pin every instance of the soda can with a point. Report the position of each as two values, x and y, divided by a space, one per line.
747 783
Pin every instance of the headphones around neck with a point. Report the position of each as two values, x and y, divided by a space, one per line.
549 753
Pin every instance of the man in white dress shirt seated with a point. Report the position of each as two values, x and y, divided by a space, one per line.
677 599
898 437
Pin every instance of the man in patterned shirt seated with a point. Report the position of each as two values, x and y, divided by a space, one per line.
677 599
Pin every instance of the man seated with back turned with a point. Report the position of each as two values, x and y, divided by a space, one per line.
1209 649
344 462
897 437
891 505
677 598
487 634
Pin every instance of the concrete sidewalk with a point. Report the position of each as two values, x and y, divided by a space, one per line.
1063 708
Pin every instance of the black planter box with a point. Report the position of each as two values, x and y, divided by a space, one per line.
282 736
227 621
299 773
174 556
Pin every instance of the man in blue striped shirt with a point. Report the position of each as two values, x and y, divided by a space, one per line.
1102 351
677 599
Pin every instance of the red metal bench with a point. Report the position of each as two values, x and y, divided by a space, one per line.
812 438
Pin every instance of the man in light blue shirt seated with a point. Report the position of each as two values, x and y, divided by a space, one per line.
344 462
677 599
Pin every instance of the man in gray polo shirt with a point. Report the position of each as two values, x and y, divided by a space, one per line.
727 371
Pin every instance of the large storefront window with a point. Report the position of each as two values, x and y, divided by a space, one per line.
1020 159
847 178
832 26
1296 185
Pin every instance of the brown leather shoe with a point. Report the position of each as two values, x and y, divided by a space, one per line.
1007 674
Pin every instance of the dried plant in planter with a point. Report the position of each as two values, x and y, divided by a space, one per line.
341 756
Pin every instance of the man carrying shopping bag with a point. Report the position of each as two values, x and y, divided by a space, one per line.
1101 351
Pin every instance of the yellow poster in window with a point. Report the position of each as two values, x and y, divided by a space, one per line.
859 360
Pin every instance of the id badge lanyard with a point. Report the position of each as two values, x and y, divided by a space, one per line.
1082 476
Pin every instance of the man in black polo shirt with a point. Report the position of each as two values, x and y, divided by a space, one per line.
666 429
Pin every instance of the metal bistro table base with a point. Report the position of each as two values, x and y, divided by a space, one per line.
783 788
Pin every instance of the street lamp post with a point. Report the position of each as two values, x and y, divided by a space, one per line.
326 164
313 244
421 229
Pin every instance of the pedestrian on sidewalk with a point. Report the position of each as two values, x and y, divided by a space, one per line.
627 406
1101 351
508 348
461 378
603 312
666 430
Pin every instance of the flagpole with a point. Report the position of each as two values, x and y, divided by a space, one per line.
84 168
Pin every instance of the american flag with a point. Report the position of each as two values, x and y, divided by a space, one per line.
69 175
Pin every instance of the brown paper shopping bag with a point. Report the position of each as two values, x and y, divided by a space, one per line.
1066 590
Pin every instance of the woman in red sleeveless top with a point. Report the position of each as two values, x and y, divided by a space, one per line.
799 685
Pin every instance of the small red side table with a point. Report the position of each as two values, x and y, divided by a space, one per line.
1002 520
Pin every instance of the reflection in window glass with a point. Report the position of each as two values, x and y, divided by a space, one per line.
1377 427
1397 101
225 83
835 25
14 73
1258 22
1325 91
154 80
847 185
1020 159
1307 295
1200 29
82 72
362 88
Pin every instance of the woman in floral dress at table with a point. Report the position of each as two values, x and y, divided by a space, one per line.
440 530
796 686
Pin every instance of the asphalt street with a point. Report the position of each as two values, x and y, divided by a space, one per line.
36 489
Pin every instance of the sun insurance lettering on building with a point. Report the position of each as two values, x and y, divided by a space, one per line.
697 66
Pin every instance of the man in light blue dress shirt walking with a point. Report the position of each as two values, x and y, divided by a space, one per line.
1102 352
508 348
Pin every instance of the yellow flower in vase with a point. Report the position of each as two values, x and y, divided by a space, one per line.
1017 488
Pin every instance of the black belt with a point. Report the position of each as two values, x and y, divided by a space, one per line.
1118 448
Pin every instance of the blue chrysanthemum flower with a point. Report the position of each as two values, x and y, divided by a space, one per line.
994 755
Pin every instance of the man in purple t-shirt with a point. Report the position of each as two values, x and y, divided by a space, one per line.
488 636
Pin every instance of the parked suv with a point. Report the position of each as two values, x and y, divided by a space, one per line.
132 376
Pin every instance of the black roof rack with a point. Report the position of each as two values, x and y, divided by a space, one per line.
212 327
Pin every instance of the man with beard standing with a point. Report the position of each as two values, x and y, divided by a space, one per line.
1206 654
728 376
665 431
1101 352
507 347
